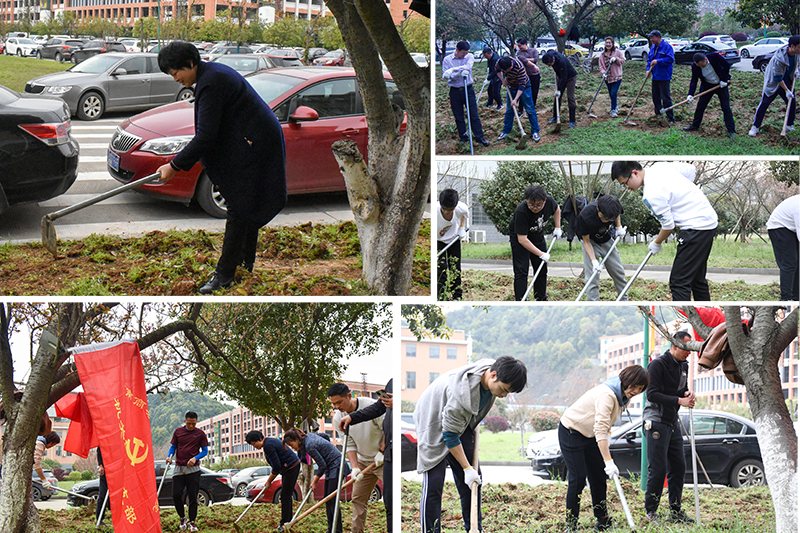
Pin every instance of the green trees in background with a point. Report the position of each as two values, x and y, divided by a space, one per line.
167 412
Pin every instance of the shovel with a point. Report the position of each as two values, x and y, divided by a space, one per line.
630 110
49 230
694 470
589 111
663 111
480 93
476 495
235 525
788 107
525 296
72 493
163 477
102 511
469 120
522 140
446 247
557 127
624 502
596 272
341 469
708 479
635 275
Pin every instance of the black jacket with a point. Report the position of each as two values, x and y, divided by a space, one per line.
277 456
668 383
563 69
720 66
375 410
491 67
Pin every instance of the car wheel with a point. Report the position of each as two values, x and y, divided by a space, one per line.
73 60
241 489
58 57
276 498
209 198
37 493
39 54
748 473
203 499
627 56
375 495
91 106
185 94
763 67
19 52
644 56
745 53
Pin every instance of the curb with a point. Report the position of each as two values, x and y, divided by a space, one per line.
663 268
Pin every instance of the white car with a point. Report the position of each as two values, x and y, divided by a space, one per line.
132 45
420 59
637 49
764 46
677 44
21 46
724 39
545 47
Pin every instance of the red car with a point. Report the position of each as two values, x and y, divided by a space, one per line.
273 493
316 107
334 58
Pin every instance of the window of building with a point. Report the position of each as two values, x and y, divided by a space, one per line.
411 380
411 350
452 352
476 211
434 353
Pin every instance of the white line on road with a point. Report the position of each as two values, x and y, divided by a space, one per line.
95 176
94 159
81 127
96 146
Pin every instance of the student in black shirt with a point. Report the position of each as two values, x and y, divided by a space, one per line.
598 224
528 246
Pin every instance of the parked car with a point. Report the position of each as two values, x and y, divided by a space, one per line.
408 445
575 50
677 43
218 51
544 47
685 54
241 479
719 39
764 46
273 493
132 45
38 155
637 49
110 82
214 488
93 48
315 105
421 59
286 57
246 63
726 445
41 494
21 46
760 62
2 47
314 53
334 58
58 48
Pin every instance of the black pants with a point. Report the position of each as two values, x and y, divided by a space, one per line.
289 477
238 245
433 485
521 257
665 457
101 499
724 102
767 100
387 493
191 482
448 271
457 103
536 81
784 246
331 483
583 459
495 98
688 275
662 98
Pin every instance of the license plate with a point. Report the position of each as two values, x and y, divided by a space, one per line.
113 160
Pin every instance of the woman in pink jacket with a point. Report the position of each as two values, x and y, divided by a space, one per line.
610 62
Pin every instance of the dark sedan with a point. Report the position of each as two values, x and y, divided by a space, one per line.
92 48
286 58
760 62
273 493
58 48
38 155
214 488
408 446
685 54
726 444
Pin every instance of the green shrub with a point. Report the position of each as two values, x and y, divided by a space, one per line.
86 475
544 420
74 476
773 34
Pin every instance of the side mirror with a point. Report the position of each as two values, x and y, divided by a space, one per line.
304 114
631 435
119 72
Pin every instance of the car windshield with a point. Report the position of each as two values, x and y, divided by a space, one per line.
242 64
25 41
335 53
271 86
96 64
7 96
80 43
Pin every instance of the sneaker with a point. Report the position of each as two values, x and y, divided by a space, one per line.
183 524
753 131
552 120
572 125
690 128
279 528
535 137
502 136
731 135
613 113
652 518
680 517
603 524
192 526
789 128
501 107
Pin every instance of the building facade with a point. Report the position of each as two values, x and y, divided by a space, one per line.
425 360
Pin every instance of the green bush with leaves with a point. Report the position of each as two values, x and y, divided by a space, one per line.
545 420
86 475
74 476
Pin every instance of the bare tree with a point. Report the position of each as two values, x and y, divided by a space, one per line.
508 19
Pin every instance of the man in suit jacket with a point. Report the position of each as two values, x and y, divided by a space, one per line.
711 69
239 141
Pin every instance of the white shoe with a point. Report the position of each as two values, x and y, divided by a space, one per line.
789 128
753 132
613 113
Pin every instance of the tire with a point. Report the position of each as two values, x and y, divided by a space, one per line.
39 54
375 495
19 52
209 198
644 56
745 53
276 498
763 67
73 59
91 106
204 499
748 473
627 56
241 489
185 94
58 57
37 493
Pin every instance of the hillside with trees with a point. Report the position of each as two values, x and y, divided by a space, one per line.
167 412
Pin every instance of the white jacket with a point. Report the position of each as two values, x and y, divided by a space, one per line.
672 197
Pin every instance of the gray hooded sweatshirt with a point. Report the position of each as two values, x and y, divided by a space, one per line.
778 66
449 404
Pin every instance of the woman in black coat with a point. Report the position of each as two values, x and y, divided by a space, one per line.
239 141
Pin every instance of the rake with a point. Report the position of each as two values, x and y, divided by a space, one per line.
597 271
635 275
525 296
589 111
630 110
788 107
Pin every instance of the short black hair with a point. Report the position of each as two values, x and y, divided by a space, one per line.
448 198
697 57
609 206
191 414
511 371
178 55
253 436
338 389
681 336
549 58
51 438
623 169
535 192
522 40
462 45
794 40
487 50
504 62
634 376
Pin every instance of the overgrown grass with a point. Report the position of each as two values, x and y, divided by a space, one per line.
16 71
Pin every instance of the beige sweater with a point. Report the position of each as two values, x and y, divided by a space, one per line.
594 413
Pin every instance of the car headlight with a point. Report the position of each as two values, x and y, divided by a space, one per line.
59 89
166 145
78 486
549 450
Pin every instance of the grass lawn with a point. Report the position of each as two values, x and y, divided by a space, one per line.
609 136
503 446
15 72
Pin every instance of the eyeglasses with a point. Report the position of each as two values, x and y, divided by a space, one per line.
625 183
536 206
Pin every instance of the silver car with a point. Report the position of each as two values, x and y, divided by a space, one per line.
111 82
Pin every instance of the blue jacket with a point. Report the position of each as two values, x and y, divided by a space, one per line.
720 66
239 141
665 57
324 454
277 456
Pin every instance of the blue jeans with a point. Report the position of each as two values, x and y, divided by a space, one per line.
613 89
527 101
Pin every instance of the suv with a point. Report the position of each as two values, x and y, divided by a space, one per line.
637 49
92 48
38 491
58 48
243 477
724 39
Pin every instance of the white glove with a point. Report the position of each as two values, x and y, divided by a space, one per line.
558 93
447 73
723 84
557 233
621 231
612 60
471 476
545 257
789 95
654 247
46 484
595 264
357 475
464 73
689 98
462 233
378 459
611 469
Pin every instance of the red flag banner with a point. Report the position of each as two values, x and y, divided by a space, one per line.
113 380
81 437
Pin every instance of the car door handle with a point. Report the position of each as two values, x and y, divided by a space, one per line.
351 131
730 441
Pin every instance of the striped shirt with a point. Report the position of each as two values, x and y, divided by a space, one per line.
516 77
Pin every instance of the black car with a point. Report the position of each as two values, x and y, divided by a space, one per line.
58 48
92 48
408 446
760 62
214 488
726 444
684 55
38 155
